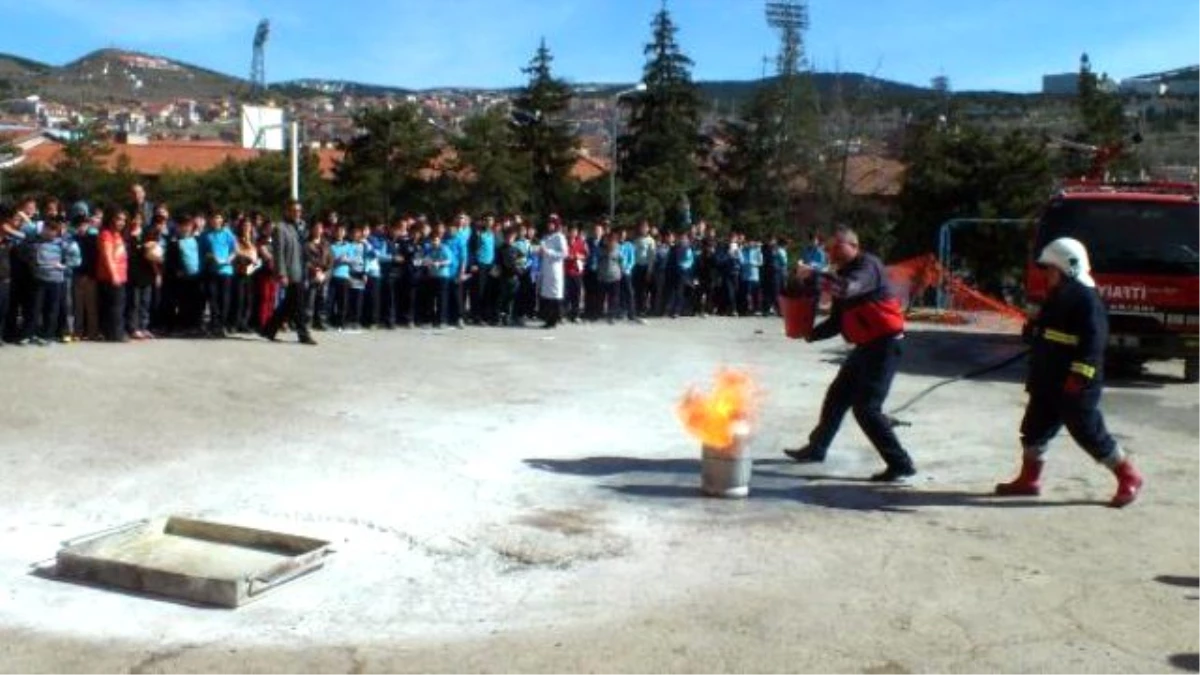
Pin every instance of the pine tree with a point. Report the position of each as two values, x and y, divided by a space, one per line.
80 170
382 169
543 134
663 151
772 149
495 170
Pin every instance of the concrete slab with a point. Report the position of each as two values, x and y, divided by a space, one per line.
501 501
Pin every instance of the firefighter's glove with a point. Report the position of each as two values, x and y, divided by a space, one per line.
1075 384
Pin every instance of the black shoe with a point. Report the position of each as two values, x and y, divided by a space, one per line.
893 474
307 339
805 455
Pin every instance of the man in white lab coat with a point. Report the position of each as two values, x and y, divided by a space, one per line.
551 283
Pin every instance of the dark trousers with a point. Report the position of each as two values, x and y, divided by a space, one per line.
629 297
43 317
5 294
1046 414
772 283
137 308
593 295
427 291
661 291
243 303
749 297
481 292
612 298
677 302
290 310
526 296
160 304
112 304
372 308
443 293
404 300
862 385
507 301
551 311
729 288
220 288
339 302
641 288
314 303
189 303
574 297
354 308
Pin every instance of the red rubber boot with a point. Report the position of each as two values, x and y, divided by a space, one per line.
1027 483
1129 483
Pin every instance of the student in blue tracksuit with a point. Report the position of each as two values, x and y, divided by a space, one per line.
219 246
443 267
628 263
339 278
46 252
459 241
679 274
752 261
357 254
379 269
482 250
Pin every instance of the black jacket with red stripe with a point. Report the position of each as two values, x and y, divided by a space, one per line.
1068 336
865 309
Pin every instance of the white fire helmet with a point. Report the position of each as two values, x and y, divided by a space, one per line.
1070 257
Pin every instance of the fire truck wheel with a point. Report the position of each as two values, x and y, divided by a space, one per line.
1191 370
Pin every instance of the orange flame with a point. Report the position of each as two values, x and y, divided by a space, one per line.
718 417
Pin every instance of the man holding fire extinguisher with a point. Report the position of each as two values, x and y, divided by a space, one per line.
868 315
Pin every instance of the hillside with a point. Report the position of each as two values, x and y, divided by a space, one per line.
118 75
13 66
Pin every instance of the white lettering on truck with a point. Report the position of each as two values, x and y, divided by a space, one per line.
1131 293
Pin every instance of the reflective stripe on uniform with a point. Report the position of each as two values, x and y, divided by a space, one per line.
1060 337
1083 369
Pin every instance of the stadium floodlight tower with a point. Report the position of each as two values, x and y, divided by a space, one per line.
258 65
790 17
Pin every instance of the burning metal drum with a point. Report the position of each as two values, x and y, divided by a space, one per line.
725 472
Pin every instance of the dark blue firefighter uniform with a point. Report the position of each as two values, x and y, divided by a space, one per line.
866 313
1068 337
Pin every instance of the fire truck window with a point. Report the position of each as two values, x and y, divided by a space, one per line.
1129 237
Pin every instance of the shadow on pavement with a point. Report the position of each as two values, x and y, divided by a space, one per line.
1181 581
1188 662
611 466
852 493
947 354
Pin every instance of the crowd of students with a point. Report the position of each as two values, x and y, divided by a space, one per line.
137 273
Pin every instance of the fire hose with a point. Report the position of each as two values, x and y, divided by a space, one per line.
979 372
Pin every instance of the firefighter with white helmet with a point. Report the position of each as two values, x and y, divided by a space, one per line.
1066 374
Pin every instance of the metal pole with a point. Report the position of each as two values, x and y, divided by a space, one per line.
612 167
612 170
295 161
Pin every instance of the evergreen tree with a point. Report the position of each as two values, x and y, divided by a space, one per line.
662 154
1099 111
495 170
384 167
544 136
773 147
79 172
963 171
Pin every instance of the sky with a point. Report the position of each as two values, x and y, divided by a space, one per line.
1004 45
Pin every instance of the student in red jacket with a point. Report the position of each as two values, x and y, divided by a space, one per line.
573 266
112 272
868 315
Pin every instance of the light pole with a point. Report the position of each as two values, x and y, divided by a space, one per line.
612 169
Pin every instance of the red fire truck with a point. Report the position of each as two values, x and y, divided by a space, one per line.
1144 243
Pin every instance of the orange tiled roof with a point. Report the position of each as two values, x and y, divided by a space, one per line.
154 158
